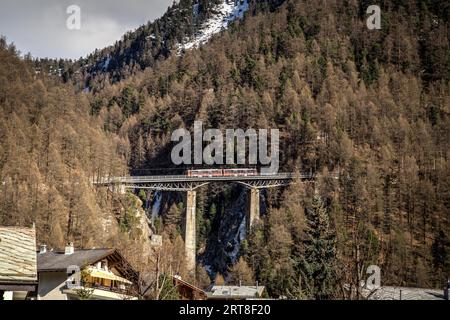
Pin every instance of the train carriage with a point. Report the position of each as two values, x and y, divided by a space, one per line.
240 172
211 173
208 173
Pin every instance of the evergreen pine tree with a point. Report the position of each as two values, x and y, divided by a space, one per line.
317 268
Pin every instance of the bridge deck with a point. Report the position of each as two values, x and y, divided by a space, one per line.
185 178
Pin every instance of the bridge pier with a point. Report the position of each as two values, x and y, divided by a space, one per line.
254 209
190 231
118 189
189 184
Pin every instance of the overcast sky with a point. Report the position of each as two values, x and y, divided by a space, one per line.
39 26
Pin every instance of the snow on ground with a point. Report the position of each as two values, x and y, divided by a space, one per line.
227 12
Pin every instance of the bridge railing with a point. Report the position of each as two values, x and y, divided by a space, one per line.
144 179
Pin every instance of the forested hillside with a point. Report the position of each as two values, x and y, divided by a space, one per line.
50 151
371 105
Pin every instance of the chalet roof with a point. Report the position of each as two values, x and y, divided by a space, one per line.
235 292
402 293
59 261
18 255
180 282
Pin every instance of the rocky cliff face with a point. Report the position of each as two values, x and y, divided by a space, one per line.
224 243
228 228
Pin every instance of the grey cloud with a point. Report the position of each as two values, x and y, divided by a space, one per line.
39 26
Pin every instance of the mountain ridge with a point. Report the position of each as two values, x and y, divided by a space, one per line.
153 41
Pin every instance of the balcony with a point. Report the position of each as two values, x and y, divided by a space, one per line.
99 292
102 284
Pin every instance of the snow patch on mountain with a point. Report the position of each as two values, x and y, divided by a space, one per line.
224 14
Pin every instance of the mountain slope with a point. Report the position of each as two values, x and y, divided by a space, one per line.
50 151
222 16
186 24
373 105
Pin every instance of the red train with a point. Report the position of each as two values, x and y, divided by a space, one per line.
210 173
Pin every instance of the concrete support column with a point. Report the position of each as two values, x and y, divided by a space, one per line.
190 232
118 189
253 214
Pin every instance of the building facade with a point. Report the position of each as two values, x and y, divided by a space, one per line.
96 274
